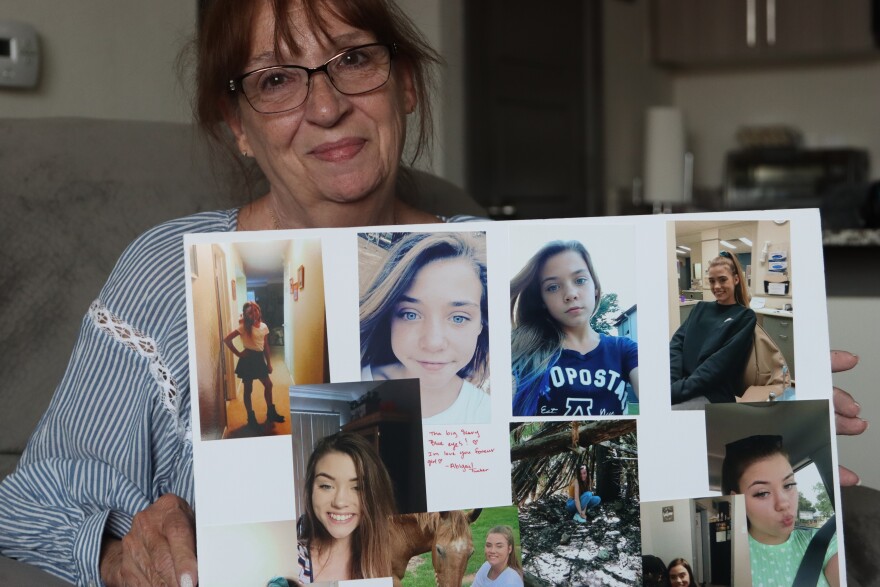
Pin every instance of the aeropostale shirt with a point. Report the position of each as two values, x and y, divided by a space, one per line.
591 384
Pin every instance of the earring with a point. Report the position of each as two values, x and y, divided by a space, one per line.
244 153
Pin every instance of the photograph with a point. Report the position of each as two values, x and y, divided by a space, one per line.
731 312
705 544
374 422
778 455
577 488
574 335
476 548
253 338
424 315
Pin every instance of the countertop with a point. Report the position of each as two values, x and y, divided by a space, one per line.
774 312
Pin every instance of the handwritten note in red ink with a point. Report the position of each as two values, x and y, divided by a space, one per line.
458 449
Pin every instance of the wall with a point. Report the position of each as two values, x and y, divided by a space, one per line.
667 540
853 325
779 237
308 314
107 59
832 105
212 407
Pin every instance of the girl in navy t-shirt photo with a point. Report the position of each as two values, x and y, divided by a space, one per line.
561 365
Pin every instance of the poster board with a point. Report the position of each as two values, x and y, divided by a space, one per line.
249 494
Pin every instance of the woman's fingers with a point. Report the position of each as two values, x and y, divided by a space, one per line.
843 361
160 548
847 477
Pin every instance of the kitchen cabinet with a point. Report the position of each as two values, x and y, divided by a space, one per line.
692 294
781 330
716 32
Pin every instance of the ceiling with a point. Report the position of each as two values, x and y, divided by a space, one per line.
263 261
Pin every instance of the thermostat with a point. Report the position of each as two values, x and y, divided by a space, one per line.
19 55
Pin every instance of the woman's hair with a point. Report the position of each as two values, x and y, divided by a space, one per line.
223 46
370 554
577 475
741 290
741 454
536 339
512 559
247 318
654 573
412 253
680 561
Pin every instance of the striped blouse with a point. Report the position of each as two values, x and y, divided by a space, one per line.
116 435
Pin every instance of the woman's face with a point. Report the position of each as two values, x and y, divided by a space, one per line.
582 474
332 148
568 289
497 550
723 284
336 496
771 499
679 576
437 321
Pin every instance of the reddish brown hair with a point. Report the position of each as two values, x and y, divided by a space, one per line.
223 45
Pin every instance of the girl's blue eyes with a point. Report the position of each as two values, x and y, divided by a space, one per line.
411 315
554 287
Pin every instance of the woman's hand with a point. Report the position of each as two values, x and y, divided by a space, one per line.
160 548
846 409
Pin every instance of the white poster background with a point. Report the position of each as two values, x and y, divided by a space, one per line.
666 439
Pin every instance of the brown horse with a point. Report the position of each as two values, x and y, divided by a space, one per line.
446 535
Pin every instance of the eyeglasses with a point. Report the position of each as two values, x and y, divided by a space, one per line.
280 88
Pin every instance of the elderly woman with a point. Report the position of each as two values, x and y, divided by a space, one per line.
317 92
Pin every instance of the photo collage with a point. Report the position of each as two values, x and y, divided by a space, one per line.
607 401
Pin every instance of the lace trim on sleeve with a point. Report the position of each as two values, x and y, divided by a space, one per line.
146 347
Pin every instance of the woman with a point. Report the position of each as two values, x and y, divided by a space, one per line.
708 353
425 316
255 361
680 573
340 534
758 467
561 366
329 142
580 498
502 567
331 160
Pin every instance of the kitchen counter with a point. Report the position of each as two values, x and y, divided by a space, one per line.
774 312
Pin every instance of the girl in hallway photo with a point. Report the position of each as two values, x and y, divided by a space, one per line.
561 365
254 362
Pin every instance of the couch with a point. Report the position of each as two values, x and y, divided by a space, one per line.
74 193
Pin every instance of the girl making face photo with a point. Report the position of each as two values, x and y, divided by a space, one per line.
758 467
561 365
425 316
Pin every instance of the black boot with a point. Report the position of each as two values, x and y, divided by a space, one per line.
252 418
272 415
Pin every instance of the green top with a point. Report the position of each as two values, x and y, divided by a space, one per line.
775 565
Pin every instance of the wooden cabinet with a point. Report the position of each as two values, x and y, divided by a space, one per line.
781 330
710 32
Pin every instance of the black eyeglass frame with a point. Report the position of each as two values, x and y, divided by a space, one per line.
236 85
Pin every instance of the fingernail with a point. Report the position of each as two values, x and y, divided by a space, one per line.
186 580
